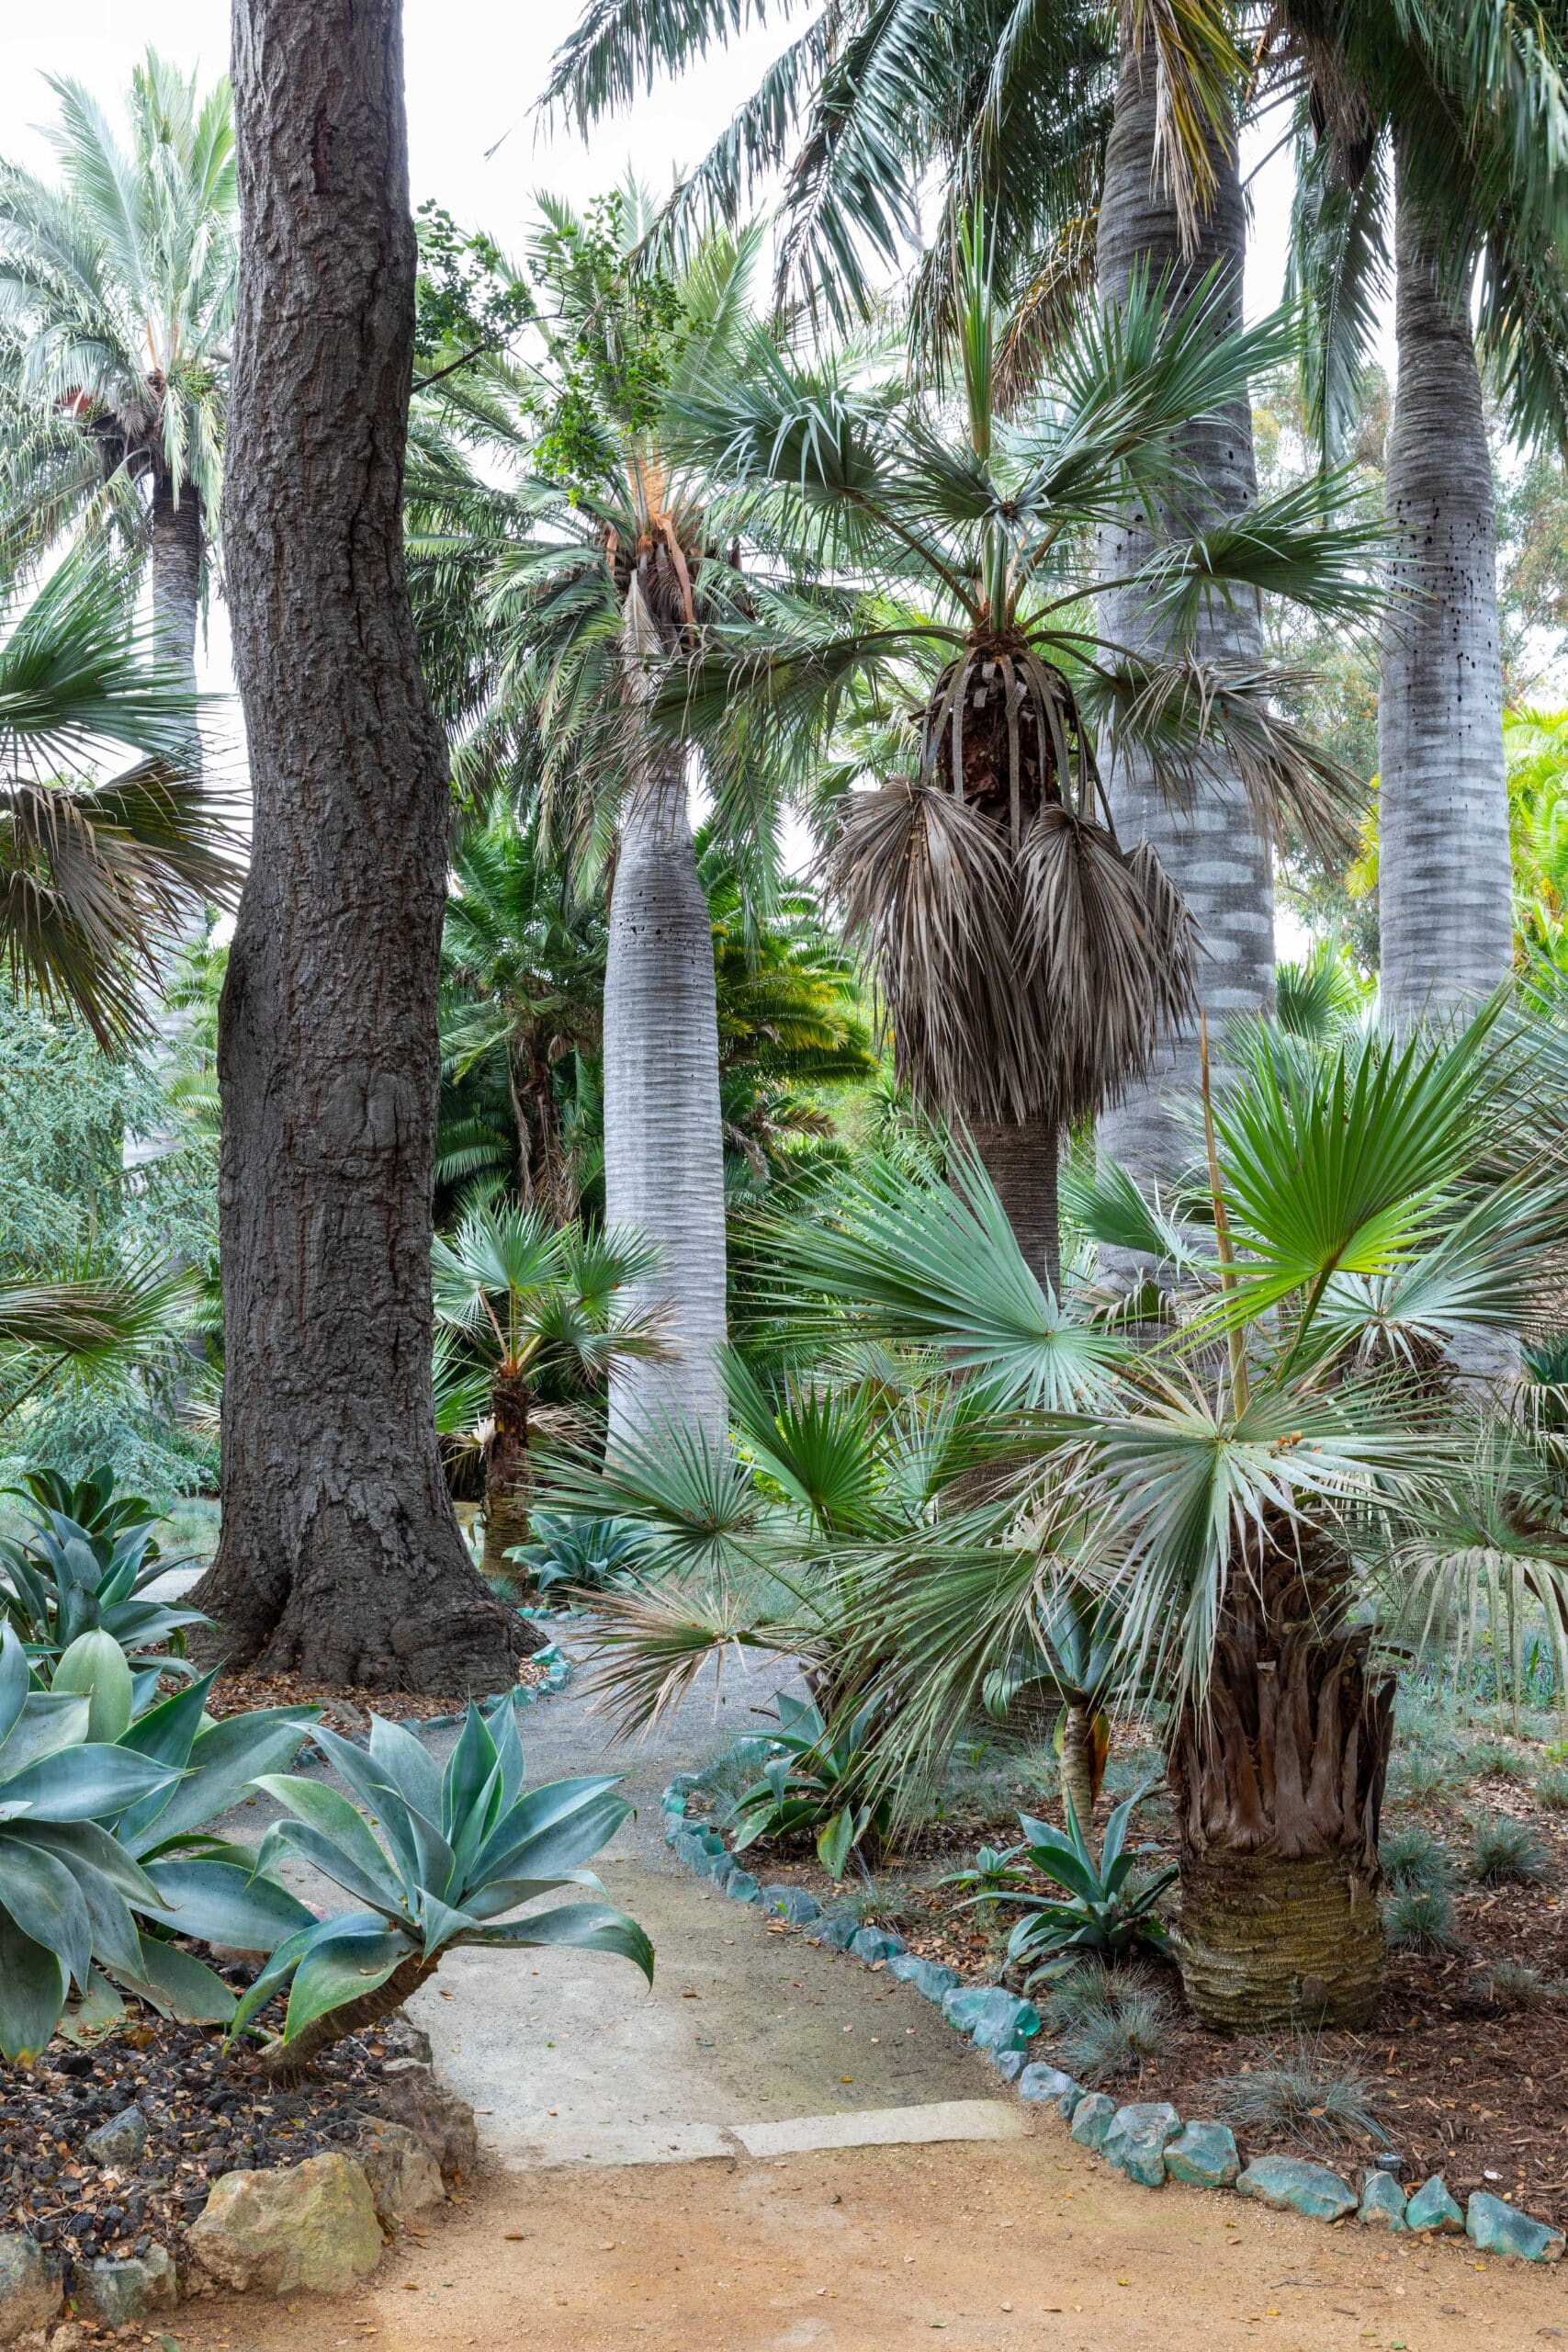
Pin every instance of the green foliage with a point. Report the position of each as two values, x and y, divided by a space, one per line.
450 1851
1421 1919
614 326
1506 1852
815 1783
1299 2093
1092 1905
993 1872
1107 2024
1516 1984
1491 1759
580 1553
1413 1858
66 1579
1552 1791
468 299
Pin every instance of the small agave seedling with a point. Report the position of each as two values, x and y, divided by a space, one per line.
456 1849
815 1782
1096 1909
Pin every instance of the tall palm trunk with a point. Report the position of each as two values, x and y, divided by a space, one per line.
176 577
1212 852
1022 1163
509 1481
339 1554
663 1139
1444 901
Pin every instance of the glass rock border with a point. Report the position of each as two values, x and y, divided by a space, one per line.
1146 2141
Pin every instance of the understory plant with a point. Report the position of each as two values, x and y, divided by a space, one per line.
444 1855
84 1566
1299 2092
1107 2023
816 1783
1088 1905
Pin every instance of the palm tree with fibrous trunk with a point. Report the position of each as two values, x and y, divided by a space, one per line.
931 572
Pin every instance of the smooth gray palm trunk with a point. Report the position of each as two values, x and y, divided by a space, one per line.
1444 899
1212 850
663 1142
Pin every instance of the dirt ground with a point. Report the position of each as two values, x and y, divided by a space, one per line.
1024 2247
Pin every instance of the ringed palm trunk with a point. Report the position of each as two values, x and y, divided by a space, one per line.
663 1140
1279 1785
1022 1163
508 1481
1212 852
1444 898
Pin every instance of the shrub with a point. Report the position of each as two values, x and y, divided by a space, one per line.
1109 2024
1412 1857
815 1781
1421 1919
1504 1852
1298 2093
1552 1791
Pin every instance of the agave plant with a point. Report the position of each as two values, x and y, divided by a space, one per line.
73 1575
1095 1905
456 1848
816 1782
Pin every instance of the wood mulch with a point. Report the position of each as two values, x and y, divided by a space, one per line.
346 1708
1463 2084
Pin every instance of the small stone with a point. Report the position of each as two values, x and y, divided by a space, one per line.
409 2093
1493 2227
674 1828
839 1934
721 1868
309 2225
991 2016
1431 2211
400 2038
404 2177
29 2294
690 1849
791 1903
741 1887
672 1804
117 2145
876 1943
1040 2083
930 1978
1009 2064
1136 2143
1290 2184
118 2293
712 1843
1205 2157
1091 2118
1382 2201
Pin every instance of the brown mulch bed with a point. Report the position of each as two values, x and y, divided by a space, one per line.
206 2114
346 1707
1464 2085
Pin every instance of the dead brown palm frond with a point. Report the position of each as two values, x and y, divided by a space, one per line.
1190 47
1062 281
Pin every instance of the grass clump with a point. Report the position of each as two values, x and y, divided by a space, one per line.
876 1903
1107 2024
1421 1775
1505 1852
1489 1760
1421 1919
1411 1856
1297 2093
1551 1790
1514 1984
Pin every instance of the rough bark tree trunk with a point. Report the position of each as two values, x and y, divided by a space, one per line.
1212 852
1022 1163
1445 915
339 1554
1278 1783
663 1139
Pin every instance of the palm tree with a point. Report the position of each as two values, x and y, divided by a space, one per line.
1434 141
937 578
589 577
117 300
540 1305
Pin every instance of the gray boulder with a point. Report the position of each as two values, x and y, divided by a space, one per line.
1136 2141
1041 2083
930 1978
29 2292
408 2093
1431 2211
404 2177
791 1903
310 2225
1493 2227
993 2018
877 1943
1383 2201
1290 2184
1091 2118
118 2293
1205 2157
118 2144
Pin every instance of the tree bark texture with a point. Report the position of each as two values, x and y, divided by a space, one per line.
176 575
663 1139
339 1554
1211 851
1279 1782
508 1482
1445 915
1022 1163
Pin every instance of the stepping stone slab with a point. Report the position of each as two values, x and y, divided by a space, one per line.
930 1978
30 2293
1091 2119
876 1943
1493 2227
741 1887
791 1903
1205 2157
118 2293
1291 2185
991 2016
1432 2211
1136 2143
118 2144
1041 2083
1382 2201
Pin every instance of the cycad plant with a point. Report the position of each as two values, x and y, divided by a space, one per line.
534 1305
117 300
937 573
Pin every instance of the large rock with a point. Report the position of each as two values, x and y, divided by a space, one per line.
1291 2185
877 1943
1205 2157
930 1978
1495 2228
993 2018
118 2144
791 1903
310 2225
1091 2118
409 2093
30 2293
118 2293
404 2177
1432 2212
1383 2201
1041 2083
1136 2141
